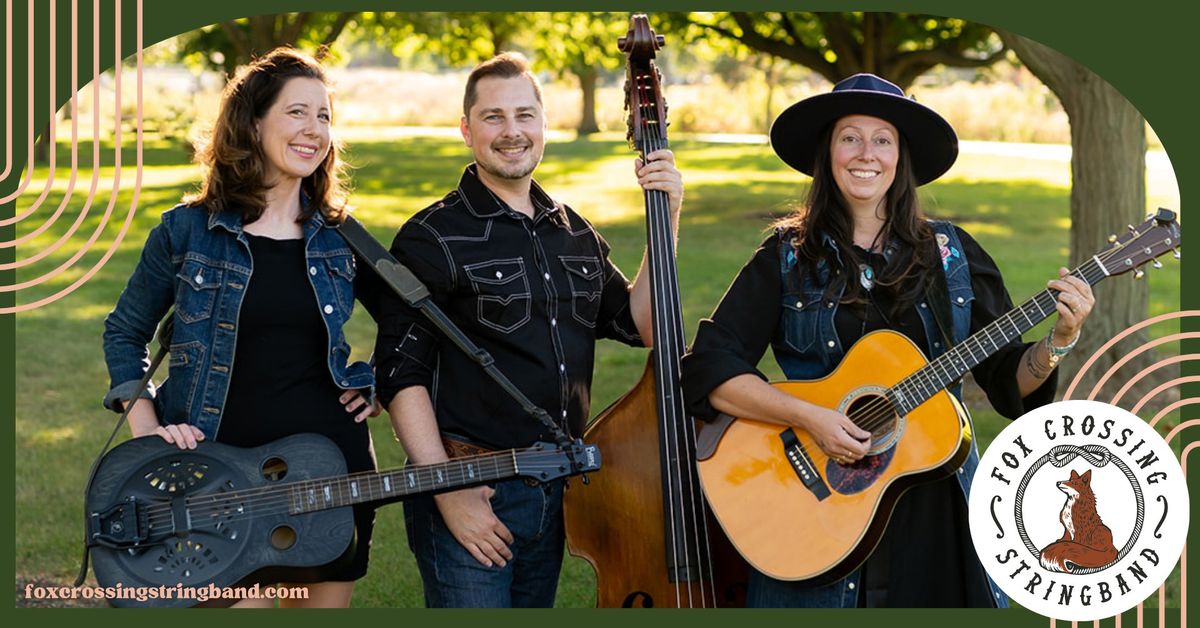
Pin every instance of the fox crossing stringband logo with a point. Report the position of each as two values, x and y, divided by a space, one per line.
1079 510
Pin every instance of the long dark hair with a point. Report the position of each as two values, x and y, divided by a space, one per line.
233 159
824 212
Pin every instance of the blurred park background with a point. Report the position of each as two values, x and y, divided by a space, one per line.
1018 187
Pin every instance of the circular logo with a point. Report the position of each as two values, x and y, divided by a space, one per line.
1079 510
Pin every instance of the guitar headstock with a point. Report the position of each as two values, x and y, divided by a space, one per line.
644 101
1141 244
547 461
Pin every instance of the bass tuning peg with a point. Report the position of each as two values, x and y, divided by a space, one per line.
1156 264
1138 274
1112 238
1175 253
1131 228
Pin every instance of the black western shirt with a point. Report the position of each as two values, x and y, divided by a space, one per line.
536 293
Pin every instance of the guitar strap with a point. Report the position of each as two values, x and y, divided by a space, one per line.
165 329
404 283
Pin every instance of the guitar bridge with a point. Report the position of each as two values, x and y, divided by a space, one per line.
802 464
120 526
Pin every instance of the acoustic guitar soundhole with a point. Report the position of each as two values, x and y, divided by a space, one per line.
872 412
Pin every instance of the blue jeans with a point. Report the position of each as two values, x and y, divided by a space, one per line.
454 579
765 592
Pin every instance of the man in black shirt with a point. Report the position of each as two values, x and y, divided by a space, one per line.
529 280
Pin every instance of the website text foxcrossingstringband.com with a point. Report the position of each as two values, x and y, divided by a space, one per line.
178 592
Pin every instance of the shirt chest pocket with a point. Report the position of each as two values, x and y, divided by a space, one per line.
501 293
799 322
585 276
340 270
196 290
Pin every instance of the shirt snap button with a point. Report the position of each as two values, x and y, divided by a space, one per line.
329 309
312 270
499 274
831 344
199 278
960 299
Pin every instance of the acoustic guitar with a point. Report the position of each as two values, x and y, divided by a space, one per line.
159 516
796 514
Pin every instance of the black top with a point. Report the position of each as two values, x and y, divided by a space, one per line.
536 293
926 557
280 382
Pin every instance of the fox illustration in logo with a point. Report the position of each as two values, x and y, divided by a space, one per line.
1086 542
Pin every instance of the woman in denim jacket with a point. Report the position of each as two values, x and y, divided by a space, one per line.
858 257
262 285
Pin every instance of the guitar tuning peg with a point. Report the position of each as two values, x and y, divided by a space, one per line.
1112 238
1139 273
1175 253
1131 227
1156 264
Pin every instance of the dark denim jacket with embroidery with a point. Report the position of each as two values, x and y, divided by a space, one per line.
199 262
808 348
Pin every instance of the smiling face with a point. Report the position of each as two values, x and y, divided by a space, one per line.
294 131
505 128
863 152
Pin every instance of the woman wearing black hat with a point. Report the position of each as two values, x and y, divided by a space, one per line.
859 256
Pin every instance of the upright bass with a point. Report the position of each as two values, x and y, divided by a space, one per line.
643 523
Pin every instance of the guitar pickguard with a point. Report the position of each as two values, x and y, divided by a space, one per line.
849 479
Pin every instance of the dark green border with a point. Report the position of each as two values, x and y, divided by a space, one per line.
1143 50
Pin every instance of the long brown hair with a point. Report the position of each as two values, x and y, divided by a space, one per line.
824 212
232 156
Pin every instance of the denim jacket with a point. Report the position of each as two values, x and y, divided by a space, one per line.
199 262
808 347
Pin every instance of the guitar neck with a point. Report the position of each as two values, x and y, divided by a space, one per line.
385 487
948 368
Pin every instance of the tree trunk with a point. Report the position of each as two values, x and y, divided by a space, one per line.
771 77
1108 192
587 86
41 148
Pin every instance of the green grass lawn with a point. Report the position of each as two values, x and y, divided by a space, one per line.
732 192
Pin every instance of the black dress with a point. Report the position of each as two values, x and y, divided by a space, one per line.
927 539
280 381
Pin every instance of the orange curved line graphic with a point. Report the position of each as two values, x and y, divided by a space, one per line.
87 204
1183 558
112 201
137 190
1117 338
46 224
1175 405
8 91
1175 359
1179 428
1112 370
1179 381
29 113
53 166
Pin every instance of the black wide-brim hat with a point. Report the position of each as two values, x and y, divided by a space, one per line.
932 143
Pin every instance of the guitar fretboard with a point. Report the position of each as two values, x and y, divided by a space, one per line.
949 367
385 486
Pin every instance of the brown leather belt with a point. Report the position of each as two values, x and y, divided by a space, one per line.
460 449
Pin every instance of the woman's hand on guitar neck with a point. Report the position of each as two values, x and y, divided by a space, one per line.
1075 302
836 434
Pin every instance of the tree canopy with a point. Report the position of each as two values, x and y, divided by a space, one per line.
896 46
